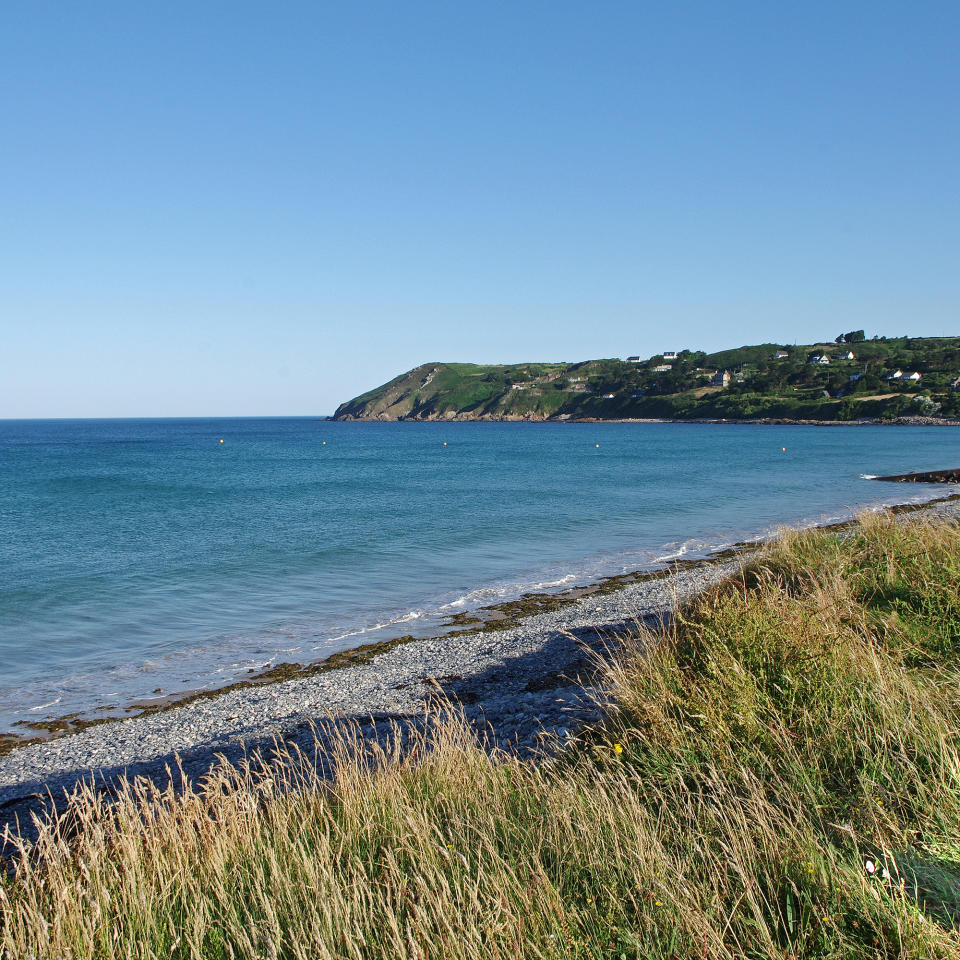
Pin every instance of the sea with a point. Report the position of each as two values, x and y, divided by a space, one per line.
144 558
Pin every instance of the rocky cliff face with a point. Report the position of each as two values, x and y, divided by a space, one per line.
396 400
444 391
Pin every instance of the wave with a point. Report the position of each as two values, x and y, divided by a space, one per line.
406 618
43 706
687 547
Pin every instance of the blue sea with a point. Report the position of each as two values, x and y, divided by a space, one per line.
139 556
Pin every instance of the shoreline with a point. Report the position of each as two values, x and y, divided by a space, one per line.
525 684
908 421
501 615
489 618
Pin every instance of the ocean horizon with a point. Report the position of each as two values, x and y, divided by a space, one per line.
145 557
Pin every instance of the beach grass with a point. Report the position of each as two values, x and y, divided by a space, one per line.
776 776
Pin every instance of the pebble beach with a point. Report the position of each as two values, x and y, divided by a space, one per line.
525 688
515 685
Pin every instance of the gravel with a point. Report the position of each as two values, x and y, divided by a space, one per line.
521 687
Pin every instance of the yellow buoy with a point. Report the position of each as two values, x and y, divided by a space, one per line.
784 449
444 442
324 442
597 446
221 441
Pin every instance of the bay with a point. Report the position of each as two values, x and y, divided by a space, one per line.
145 555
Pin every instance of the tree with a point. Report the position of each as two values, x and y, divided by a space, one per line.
848 410
925 406
854 336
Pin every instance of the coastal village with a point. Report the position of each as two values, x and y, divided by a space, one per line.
843 357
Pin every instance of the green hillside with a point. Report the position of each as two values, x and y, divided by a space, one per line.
766 380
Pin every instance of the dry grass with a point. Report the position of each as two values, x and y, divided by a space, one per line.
778 777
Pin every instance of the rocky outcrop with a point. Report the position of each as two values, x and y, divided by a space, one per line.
929 476
395 400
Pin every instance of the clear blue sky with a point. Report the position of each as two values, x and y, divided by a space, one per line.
265 208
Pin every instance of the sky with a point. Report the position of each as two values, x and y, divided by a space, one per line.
235 208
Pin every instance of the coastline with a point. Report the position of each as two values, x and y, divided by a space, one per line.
788 422
909 421
498 616
495 617
523 684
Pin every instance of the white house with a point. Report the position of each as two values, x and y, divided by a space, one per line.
633 359
847 356
721 379
670 355
781 355
662 367
913 376
820 358
894 375
608 396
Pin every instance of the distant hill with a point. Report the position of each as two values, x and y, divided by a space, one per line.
819 381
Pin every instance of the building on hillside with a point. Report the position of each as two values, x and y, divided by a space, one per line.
913 376
955 384
670 355
849 355
608 396
781 355
721 379
900 375
662 367
633 359
854 377
819 358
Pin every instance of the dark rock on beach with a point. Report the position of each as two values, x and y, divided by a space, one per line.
929 476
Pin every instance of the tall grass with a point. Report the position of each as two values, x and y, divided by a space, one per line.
778 776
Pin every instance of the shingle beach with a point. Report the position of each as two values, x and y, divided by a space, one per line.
515 685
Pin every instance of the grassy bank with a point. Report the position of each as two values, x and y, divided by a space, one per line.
779 777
